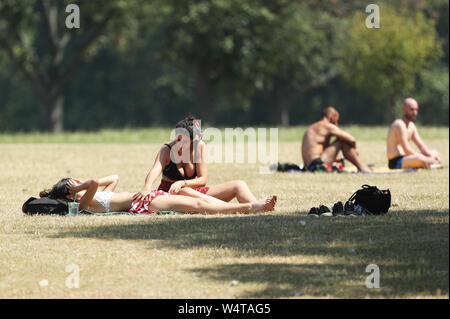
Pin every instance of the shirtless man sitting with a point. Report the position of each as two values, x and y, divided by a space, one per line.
399 152
316 146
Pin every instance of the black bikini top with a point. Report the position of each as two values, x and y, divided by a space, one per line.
171 170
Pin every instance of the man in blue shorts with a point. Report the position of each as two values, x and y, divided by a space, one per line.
399 152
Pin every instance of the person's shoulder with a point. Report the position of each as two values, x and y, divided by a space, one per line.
164 149
317 125
309 128
330 127
165 146
164 154
398 123
312 129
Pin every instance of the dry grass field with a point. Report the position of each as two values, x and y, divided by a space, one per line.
282 254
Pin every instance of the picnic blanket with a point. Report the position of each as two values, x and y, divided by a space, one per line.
387 170
167 212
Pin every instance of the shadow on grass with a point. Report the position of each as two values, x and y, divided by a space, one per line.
410 247
340 280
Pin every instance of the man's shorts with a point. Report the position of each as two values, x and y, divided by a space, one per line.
396 162
316 165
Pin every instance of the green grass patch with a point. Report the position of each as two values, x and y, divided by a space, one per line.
162 134
281 254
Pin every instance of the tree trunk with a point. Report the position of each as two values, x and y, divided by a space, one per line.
277 109
284 109
393 107
56 114
204 95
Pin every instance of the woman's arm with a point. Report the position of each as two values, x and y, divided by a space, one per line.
110 182
202 169
155 171
90 186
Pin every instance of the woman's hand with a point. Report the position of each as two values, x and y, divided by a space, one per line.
160 162
141 195
176 187
72 186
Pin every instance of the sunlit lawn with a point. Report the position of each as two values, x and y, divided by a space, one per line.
273 255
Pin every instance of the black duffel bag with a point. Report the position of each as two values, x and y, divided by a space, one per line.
374 200
45 206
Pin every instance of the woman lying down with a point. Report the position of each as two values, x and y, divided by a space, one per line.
105 201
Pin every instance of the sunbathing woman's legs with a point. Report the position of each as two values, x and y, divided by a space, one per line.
187 191
189 204
229 190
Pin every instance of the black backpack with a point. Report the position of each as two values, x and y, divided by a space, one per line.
373 199
45 206
286 167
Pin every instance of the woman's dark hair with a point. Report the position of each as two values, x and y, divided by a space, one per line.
58 191
187 124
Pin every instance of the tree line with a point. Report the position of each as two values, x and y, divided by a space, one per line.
140 63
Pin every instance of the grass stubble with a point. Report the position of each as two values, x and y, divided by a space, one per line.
282 254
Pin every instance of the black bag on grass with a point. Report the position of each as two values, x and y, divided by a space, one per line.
373 199
45 206
286 167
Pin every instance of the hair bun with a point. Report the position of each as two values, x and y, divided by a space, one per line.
44 193
190 117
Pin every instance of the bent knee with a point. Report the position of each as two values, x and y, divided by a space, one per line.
240 184
346 146
425 159
434 153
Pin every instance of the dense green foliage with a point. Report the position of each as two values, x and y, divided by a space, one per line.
230 62
404 45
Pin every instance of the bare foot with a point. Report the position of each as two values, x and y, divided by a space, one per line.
264 205
271 202
365 169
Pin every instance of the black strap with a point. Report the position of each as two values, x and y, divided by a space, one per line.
364 188
354 195
170 147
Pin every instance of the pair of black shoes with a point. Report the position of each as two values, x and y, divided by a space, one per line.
339 209
349 208
320 211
